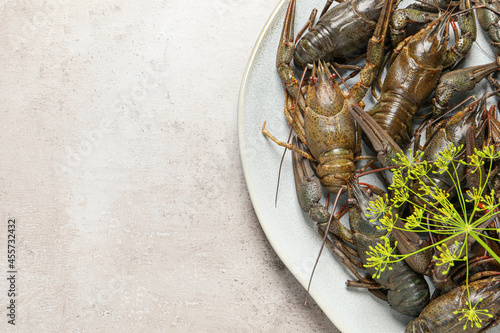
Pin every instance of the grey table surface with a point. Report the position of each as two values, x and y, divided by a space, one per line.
121 167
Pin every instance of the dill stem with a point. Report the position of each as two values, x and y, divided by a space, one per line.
486 247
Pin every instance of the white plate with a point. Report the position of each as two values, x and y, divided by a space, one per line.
291 233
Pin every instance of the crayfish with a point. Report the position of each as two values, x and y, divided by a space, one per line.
329 123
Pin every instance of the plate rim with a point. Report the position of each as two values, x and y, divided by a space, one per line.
277 249
323 300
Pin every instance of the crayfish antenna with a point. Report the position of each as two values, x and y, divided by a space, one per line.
292 124
324 242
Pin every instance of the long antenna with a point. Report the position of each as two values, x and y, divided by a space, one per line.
295 107
324 241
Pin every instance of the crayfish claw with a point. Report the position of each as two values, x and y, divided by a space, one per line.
286 48
386 148
307 184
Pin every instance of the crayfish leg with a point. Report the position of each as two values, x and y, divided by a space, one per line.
285 144
410 242
294 117
368 285
374 55
338 248
309 24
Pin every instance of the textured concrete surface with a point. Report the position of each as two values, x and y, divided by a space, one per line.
121 168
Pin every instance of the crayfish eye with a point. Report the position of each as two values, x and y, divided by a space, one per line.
332 77
352 201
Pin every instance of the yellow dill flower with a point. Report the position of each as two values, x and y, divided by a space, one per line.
419 170
487 152
474 162
473 315
408 162
397 180
446 157
446 256
413 221
475 195
378 207
379 257
440 196
388 221
488 202
400 196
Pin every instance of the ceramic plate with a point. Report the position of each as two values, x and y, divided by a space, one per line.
291 233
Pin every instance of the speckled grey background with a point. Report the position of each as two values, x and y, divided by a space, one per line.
120 164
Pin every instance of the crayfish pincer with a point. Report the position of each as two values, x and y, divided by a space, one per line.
342 32
407 291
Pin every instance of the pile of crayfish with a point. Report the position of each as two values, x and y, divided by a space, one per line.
436 152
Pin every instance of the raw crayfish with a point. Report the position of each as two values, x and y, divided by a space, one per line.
325 125
325 120
329 131
342 32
